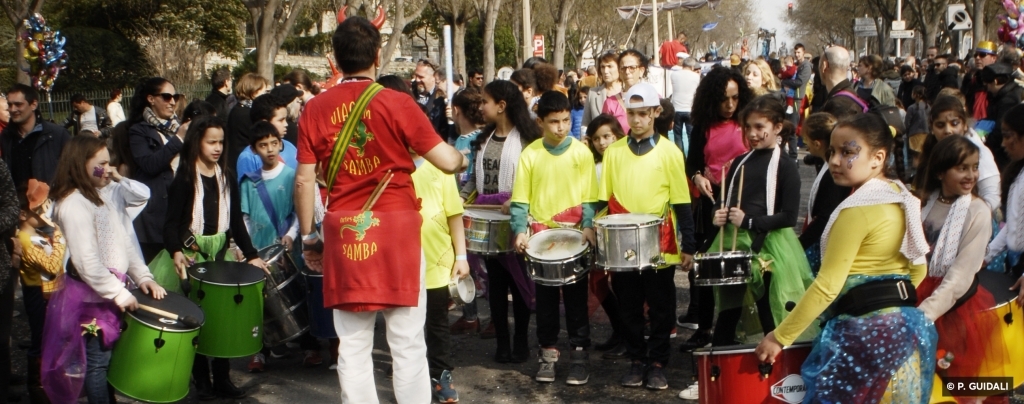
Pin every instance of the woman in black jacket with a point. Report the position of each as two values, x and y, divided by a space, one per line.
155 138
239 124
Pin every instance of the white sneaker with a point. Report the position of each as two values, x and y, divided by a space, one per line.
691 393
334 366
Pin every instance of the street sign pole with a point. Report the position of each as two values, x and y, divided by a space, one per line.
899 17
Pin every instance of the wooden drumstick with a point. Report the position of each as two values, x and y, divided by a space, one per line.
721 231
378 191
739 201
188 321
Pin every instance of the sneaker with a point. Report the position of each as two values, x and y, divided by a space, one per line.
656 377
488 333
257 362
687 321
547 360
334 366
578 374
444 390
312 359
279 351
635 377
618 352
673 333
647 332
691 393
463 326
226 389
700 339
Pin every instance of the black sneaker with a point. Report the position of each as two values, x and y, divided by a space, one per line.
618 352
226 389
635 377
656 377
700 339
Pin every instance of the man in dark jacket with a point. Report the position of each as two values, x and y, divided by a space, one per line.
799 86
1003 94
834 66
940 75
906 90
86 117
973 87
430 96
30 146
221 82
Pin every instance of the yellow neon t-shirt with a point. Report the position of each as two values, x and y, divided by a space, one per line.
440 200
645 184
551 184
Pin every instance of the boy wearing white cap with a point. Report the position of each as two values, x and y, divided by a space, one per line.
646 174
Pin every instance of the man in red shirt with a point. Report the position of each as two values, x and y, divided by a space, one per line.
670 48
370 256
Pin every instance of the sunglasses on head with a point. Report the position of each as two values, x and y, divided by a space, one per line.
168 96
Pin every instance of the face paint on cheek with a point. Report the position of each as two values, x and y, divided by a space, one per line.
98 172
853 146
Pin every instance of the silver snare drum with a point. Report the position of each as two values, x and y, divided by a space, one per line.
557 257
722 268
628 242
284 305
487 232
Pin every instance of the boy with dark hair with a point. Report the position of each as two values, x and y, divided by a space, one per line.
85 117
555 187
221 82
665 121
646 175
271 109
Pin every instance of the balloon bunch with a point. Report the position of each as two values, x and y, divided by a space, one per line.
1011 24
44 52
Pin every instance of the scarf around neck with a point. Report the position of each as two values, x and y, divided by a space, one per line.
509 161
948 245
223 202
166 128
879 192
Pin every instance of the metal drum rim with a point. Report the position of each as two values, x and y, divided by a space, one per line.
284 284
453 290
735 280
205 282
745 348
164 329
293 337
652 222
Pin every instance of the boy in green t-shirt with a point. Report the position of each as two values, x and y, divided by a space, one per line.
442 237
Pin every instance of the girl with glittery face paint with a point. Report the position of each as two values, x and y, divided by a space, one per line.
874 345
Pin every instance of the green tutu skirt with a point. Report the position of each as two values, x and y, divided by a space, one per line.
781 254
162 266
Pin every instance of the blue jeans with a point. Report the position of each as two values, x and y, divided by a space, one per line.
683 128
97 360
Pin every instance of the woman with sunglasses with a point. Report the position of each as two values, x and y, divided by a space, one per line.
632 68
155 137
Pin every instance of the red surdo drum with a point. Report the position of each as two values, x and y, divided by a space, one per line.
734 375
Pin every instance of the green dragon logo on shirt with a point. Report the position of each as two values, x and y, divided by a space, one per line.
361 224
360 138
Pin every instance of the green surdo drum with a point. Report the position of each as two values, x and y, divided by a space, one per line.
152 361
231 296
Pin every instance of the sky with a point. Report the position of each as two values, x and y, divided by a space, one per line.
772 14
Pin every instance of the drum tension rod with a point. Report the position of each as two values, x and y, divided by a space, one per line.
1008 318
715 372
765 369
200 293
238 294
159 341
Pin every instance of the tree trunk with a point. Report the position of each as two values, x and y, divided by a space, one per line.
459 47
979 22
489 23
527 31
19 60
266 54
16 12
561 23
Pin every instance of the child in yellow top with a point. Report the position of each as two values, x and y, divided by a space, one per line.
879 352
645 173
444 248
556 187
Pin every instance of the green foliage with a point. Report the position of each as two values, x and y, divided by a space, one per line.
504 46
474 45
100 59
316 45
248 65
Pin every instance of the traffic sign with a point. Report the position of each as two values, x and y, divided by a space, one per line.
901 34
538 45
958 18
865 27
899 25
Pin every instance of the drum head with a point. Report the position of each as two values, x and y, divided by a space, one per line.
173 303
627 219
556 244
485 214
998 284
226 273
272 253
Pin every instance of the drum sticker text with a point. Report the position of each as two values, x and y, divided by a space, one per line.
359 224
790 389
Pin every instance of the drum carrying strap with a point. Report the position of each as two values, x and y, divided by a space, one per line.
261 189
347 130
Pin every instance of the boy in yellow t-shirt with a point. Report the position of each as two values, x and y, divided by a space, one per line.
645 174
555 187
444 248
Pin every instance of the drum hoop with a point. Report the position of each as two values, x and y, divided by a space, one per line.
468 213
724 255
573 258
272 260
735 280
165 329
453 289
741 349
206 282
655 221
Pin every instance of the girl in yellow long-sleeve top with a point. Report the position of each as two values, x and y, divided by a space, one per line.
875 345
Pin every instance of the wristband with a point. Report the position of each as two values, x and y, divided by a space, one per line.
311 237
460 257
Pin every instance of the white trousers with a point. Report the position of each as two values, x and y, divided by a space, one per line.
408 352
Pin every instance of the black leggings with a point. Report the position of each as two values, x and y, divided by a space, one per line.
501 282
725 329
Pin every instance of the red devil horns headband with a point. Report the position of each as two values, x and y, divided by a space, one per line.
378 21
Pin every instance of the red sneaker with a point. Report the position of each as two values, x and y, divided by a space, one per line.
463 326
256 363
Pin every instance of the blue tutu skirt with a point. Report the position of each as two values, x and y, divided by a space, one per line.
886 356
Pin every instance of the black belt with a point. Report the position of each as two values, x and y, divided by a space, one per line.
877 295
967 295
